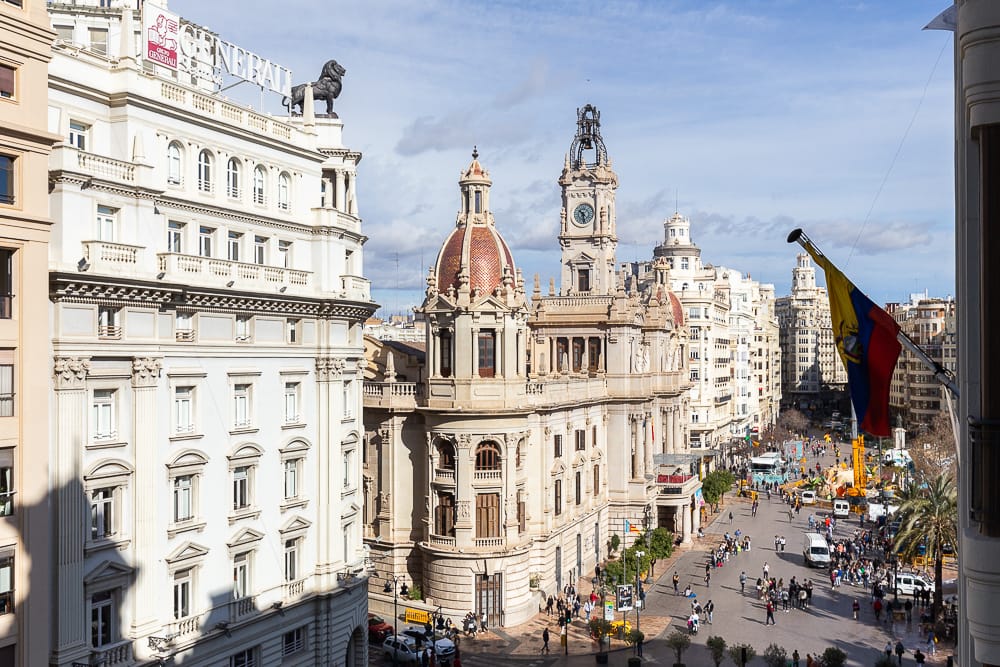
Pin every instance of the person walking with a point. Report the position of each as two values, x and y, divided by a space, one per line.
767 570
809 661
545 640
900 650
931 642
708 577
855 608
743 582
770 613
482 623
795 658
919 657
730 517
709 609
676 579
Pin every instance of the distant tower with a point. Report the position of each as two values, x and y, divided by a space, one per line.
804 274
587 227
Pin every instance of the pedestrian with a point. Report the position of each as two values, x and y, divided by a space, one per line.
931 642
709 609
638 645
766 569
545 640
730 518
919 657
743 582
908 607
809 661
795 658
900 651
782 542
888 649
770 613
877 606
482 623
708 578
676 580
855 608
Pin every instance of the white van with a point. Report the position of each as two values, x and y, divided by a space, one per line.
841 508
808 497
815 550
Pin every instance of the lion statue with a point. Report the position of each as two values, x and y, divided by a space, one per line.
326 88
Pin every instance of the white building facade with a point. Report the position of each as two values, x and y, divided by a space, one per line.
207 305
812 375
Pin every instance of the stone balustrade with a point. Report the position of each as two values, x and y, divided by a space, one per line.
217 272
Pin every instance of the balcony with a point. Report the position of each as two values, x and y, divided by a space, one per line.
242 608
442 541
490 542
225 111
481 475
392 394
112 655
443 476
294 589
356 288
107 257
185 627
109 332
222 273
185 335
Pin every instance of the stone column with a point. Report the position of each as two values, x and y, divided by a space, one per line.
145 376
686 525
70 433
475 352
696 519
678 432
338 190
634 437
671 445
648 447
329 370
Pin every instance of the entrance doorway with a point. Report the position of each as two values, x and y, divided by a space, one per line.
489 598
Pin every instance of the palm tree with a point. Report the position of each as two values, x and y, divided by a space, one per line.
930 517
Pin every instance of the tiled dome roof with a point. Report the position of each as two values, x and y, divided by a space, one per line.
478 249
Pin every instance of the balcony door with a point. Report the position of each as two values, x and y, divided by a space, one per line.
489 598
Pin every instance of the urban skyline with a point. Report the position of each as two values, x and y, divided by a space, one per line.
707 115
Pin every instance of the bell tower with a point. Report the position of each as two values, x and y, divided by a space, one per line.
587 233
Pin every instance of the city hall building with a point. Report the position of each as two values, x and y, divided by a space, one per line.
502 452
207 301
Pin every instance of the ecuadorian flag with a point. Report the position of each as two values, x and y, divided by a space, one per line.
866 339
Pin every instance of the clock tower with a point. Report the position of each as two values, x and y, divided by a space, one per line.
587 233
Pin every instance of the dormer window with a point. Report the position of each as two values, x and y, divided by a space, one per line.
479 201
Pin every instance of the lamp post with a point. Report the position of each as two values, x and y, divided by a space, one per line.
392 585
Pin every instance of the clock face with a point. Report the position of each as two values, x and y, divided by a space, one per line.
583 214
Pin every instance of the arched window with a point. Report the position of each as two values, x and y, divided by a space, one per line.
233 178
205 171
446 455
487 457
259 183
174 163
284 188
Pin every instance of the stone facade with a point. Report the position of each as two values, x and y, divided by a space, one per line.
25 582
536 425
812 373
207 302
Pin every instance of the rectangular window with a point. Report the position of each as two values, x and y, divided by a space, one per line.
557 449
348 542
6 385
6 283
583 280
183 498
241 575
183 582
78 134
102 513
235 239
241 405
7 583
581 440
348 399
293 641
349 470
259 249
597 480
103 414
242 328
98 40
291 560
107 219
184 409
102 610
247 658
64 33
487 349
7 183
241 488
479 201
487 515
8 81
292 331
444 515
558 497
292 403
285 254
184 327
175 237
7 489
292 478
205 235
522 513
578 482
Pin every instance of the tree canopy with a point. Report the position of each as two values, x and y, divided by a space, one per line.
930 518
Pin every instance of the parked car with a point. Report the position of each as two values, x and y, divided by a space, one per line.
378 629
444 648
907 582
401 649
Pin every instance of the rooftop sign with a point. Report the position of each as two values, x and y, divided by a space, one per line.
185 47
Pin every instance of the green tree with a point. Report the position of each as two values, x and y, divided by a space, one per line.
614 543
930 518
661 543
714 486
791 422
775 656
678 642
717 647
736 653
833 657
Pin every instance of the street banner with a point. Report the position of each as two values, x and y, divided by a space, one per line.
624 597
160 33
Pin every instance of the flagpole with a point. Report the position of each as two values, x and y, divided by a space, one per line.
940 374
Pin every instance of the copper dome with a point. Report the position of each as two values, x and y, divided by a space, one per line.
480 252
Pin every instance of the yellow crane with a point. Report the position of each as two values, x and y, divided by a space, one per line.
858 458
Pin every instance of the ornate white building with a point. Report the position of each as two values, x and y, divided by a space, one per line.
732 352
812 374
497 467
207 301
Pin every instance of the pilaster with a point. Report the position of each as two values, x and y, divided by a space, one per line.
145 378
70 432
329 370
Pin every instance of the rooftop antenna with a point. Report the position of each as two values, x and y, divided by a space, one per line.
676 206
396 307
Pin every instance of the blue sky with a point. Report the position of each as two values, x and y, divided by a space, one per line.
756 117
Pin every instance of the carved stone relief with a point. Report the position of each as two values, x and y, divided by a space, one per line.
146 371
71 372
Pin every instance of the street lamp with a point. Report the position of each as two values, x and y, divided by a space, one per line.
392 585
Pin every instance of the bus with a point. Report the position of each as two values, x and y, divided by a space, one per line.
767 468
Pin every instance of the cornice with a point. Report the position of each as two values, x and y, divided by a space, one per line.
85 181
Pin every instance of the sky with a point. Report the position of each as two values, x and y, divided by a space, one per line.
749 117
